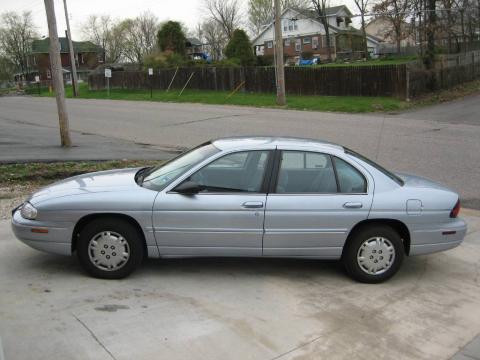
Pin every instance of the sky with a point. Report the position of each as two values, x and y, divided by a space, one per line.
187 11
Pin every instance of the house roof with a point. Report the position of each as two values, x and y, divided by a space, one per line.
330 11
310 14
43 46
193 41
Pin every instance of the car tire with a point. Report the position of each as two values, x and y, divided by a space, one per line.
110 248
373 254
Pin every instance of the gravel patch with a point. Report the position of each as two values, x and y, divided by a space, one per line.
12 196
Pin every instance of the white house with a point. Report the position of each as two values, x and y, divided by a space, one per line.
302 31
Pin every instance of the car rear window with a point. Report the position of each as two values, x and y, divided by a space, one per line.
391 175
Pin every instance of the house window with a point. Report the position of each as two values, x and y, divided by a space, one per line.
34 58
287 42
100 58
270 44
49 74
315 42
298 45
285 25
81 59
307 40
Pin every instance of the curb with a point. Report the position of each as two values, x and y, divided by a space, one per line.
470 212
2 356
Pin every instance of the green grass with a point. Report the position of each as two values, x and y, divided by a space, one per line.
354 104
373 62
42 173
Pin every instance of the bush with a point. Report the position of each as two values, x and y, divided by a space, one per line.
164 59
171 37
266 60
233 62
239 47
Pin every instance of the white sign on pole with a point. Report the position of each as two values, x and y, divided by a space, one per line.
108 73
37 78
150 71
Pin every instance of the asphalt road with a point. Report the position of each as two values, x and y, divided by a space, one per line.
440 142
239 308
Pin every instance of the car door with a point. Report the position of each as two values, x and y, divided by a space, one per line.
315 200
225 218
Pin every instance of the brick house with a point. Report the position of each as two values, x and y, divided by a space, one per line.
87 57
303 32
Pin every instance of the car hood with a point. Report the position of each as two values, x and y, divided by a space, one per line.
102 181
415 181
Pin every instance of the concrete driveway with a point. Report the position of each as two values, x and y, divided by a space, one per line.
237 308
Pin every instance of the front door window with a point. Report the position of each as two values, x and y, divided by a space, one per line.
237 172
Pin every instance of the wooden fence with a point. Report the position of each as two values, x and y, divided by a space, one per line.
403 81
385 80
450 70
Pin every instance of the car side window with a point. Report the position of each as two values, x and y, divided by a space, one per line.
306 172
350 180
236 172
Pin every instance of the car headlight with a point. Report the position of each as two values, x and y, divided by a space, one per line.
28 211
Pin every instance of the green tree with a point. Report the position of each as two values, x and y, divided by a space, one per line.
239 47
171 37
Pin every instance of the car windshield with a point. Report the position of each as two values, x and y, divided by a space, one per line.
160 177
375 165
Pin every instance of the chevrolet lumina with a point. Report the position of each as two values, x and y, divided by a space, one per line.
250 197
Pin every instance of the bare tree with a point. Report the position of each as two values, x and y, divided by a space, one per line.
106 33
320 7
431 24
17 31
214 38
260 12
140 36
395 12
362 6
7 68
226 13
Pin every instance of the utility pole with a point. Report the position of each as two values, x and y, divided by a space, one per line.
57 76
280 71
71 50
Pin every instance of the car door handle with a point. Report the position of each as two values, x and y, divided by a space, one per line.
352 205
253 205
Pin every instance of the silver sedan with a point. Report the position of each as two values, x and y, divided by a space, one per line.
250 196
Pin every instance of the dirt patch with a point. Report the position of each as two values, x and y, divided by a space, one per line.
13 195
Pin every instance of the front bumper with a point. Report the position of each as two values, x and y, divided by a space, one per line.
438 238
58 240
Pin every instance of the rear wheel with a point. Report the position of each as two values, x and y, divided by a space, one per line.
373 254
110 248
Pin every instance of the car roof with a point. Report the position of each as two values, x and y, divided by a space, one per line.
238 142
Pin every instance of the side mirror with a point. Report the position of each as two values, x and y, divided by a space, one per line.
188 188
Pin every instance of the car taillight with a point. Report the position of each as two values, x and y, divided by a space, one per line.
455 210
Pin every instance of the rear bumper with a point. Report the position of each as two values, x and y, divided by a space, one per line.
56 241
439 238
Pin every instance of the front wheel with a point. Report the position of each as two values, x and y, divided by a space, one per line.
110 248
373 254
